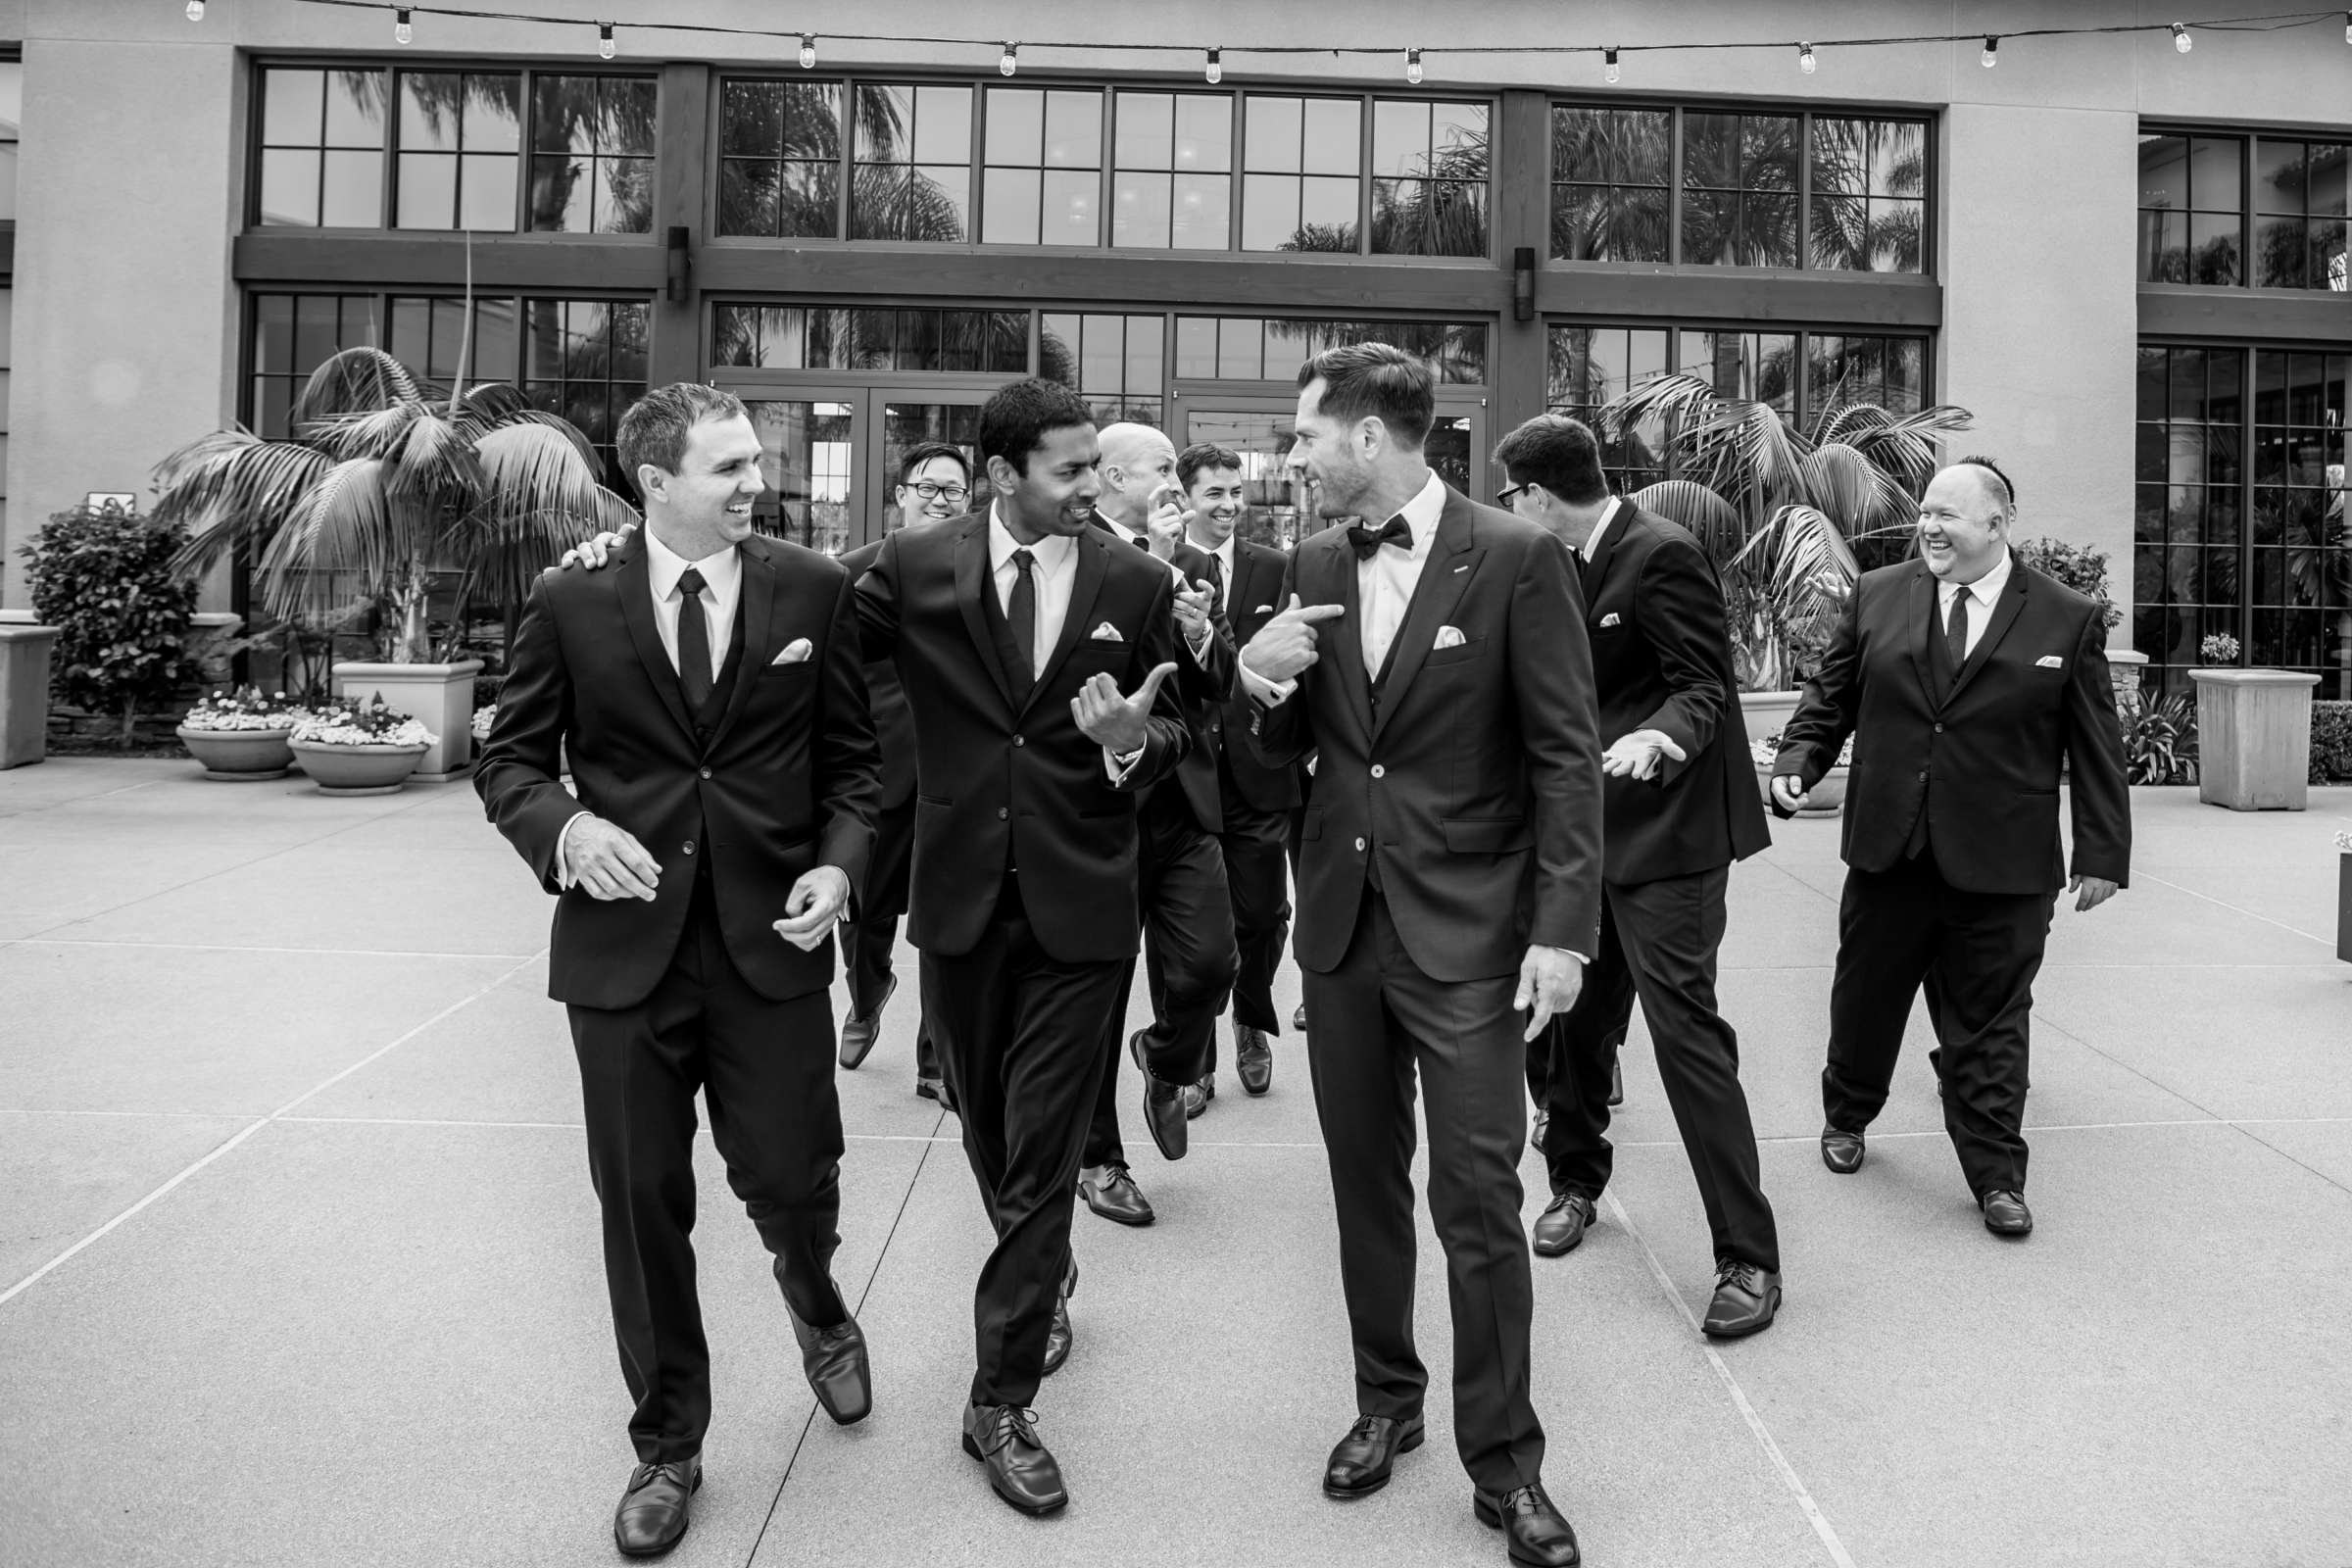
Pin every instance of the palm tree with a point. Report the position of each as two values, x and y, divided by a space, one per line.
1779 508
382 484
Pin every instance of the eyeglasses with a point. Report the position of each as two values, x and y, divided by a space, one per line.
1503 498
932 492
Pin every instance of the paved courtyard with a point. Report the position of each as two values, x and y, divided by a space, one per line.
298 1259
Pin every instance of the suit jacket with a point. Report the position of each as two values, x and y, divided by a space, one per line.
1662 660
1207 687
1003 782
1255 596
1983 761
886 694
787 781
1477 781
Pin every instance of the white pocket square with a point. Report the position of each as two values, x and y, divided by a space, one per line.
795 652
1608 620
2049 661
1447 637
1107 634
1261 610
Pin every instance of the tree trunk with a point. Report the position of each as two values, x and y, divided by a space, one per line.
130 723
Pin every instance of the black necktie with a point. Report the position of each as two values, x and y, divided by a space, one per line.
1955 633
1020 613
1216 584
694 643
1366 541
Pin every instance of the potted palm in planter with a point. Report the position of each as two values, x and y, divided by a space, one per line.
383 492
241 736
351 747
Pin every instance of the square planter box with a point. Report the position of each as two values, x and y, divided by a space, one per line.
24 693
2253 738
439 695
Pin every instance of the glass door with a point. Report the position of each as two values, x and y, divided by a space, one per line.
916 417
809 454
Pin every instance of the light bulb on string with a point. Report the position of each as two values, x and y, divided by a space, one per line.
1993 52
1804 58
1608 69
1412 66
2180 39
807 51
196 12
606 48
402 32
2348 27
1216 67
1011 61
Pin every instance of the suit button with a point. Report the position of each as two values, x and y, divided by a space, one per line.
1359 845
705 772
1021 739
688 847
1002 814
1923 775
1939 729
1379 771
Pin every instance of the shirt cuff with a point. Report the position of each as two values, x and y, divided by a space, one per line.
1200 650
1117 768
1265 692
1581 957
563 850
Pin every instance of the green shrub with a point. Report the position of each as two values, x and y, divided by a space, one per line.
104 580
2079 567
2160 744
2330 742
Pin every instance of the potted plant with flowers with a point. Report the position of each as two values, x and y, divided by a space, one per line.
1825 799
241 736
351 747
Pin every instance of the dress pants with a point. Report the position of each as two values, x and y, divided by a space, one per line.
767 1072
1257 883
1020 1038
1658 940
1377 1018
1975 954
1188 960
865 942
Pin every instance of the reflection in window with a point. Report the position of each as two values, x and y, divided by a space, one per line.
807 453
461 137
1870 179
592 145
1609 171
1758 366
909 424
779 170
1040 183
1740 180
1173 177
11 114
586 361
1251 349
1303 173
2187 531
2299 224
429 334
1428 177
2191 207
293 334
1588 368
796 337
1864 367
2302 576
914 163
322 149
1113 361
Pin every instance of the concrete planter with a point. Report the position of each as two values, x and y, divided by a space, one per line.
24 692
440 695
2343 904
1766 712
240 756
2253 738
359 769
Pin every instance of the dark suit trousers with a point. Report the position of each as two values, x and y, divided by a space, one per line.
1975 954
1377 1020
1188 960
1020 1037
865 942
1257 882
767 1071
1658 942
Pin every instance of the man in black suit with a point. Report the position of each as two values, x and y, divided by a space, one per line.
708 692
1450 877
935 482
1015 630
1969 683
1679 804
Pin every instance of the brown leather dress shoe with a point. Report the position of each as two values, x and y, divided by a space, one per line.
1252 1059
1360 1464
1561 1226
1537 1535
2006 1213
1842 1150
651 1516
858 1033
1164 1107
1745 1299
1003 1437
835 1360
1110 1191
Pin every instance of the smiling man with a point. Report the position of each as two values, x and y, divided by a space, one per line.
1972 684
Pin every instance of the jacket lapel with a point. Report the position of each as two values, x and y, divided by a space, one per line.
1355 679
971 581
1448 572
759 615
2005 612
1920 608
1094 565
631 580
1595 570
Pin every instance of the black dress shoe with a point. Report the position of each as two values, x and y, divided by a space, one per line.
1163 1106
1110 1191
1563 1223
835 1360
1252 1059
1298 1019
1616 1083
1003 1437
1359 1466
1745 1298
858 1033
1537 1535
1841 1152
1058 1338
2006 1213
1197 1096
651 1516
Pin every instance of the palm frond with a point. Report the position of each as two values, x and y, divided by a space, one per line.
1755 445
1862 497
1713 520
343 523
232 491
1678 401
540 496
1803 562
434 467
359 380
370 433
1906 446
1840 419
492 404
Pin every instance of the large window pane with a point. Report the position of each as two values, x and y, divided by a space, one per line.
293 334
779 174
1041 182
1301 162
459 135
592 166
913 174
1737 173
1609 171
1869 179
1171 184
586 361
1113 362
1429 163
321 159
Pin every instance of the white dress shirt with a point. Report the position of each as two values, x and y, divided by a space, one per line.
722 586
1055 574
1985 591
1593 539
1385 579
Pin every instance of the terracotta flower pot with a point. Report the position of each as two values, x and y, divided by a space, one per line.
240 756
359 769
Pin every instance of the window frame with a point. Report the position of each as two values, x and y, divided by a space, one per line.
2247 134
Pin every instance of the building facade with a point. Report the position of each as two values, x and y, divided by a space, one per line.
2126 261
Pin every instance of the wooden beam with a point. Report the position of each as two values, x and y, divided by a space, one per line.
681 158
1522 147
582 264
1736 295
2180 310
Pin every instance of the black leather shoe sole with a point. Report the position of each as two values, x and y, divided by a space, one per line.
1407 1443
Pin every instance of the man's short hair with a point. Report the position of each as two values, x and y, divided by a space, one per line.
1014 420
656 427
1204 454
914 461
2004 492
1376 380
1558 453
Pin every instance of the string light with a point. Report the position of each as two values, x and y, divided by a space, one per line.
196 14
1992 51
1804 58
606 48
1011 61
807 51
2180 39
2348 27
402 32
1216 67
1608 69
1412 66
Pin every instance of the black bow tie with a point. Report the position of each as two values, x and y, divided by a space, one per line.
1366 541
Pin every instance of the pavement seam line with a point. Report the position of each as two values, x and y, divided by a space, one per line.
2236 909
1811 1509
242 1135
230 947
